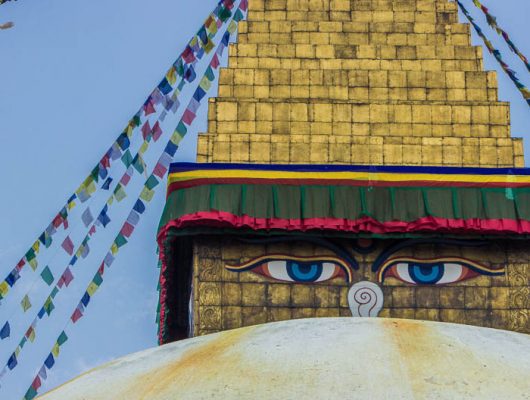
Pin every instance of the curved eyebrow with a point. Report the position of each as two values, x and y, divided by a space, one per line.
340 252
415 242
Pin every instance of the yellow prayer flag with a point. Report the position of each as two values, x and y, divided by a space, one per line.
91 188
55 350
92 288
71 205
31 336
209 46
144 147
175 138
171 76
232 27
193 42
130 129
17 350
36 246
33 264
4 288
110 201
114 249
147 194
25 303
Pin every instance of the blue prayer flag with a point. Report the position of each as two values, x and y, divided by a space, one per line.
50 361
139 207
12 277
226 38
203 35
41 313
190 74
165 87
85 299
171 148
123 141
107 183
199 94
12 362
5 331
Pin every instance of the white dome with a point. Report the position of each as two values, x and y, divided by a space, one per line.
323 358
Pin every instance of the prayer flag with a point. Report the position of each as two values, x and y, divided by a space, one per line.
92 288
42 373
25 303
165 87
119 193
171 148
12 277
133 218
47 276
138 164
171 75
156 131
215 61
36 383
68 245
127 159
30 394
199 94
87 217
127 229
33 264
189 73
49 306
147 194
194 105
85 299
4 288
62 338
188 55
41 313
109 259
120 240
106 184
67 276
149 107
50 361
123 141
139 206
12 362
76 315
146 130
159 170
151 182
5 331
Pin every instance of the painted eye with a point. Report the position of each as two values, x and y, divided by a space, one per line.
297 269
435 271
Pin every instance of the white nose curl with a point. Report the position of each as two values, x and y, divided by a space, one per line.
365 299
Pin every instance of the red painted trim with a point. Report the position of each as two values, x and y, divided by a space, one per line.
338 182
163 289
222 219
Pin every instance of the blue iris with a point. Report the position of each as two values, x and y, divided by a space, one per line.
304 272
426 274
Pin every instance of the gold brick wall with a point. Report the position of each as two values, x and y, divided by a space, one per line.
225 299
360 82
381 82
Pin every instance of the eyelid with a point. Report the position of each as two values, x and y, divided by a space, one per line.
472 265
284 257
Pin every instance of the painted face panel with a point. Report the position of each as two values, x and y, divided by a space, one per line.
452 281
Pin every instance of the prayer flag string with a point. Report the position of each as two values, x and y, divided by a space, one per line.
82 251
139 207
492 22
496 53
166 93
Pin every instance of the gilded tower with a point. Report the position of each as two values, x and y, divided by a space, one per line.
356 82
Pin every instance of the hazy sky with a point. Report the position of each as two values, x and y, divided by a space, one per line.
71 75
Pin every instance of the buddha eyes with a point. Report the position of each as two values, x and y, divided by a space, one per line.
297 269
434 271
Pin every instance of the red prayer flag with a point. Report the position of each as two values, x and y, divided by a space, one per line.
188 117
57 221
188 55
92 230
28 332
20 264
68 246
127 229
149 108
101 269
105 162
215 61
159 170
36 383
125 179
76 315
146 130
157 131
67 277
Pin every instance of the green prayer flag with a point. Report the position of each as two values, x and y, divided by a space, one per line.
120 240
181 128
127 159
62 338
95 173
30 394
138 164
152 182
54 292
209 74
30 254
25 303
136 120
98 279
49 306
47 276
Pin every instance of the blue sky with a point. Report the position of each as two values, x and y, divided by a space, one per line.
71 74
